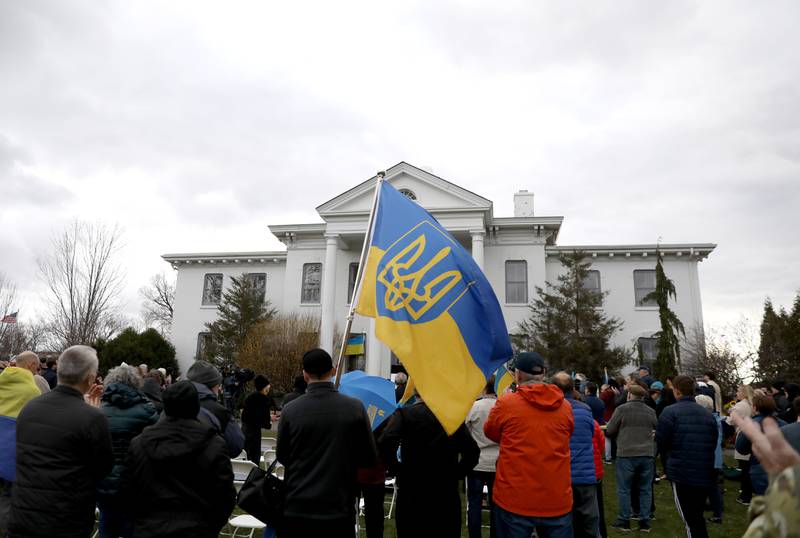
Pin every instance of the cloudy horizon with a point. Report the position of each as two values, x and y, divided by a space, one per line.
195 125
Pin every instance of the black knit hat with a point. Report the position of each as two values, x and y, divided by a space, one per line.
181 401
317 362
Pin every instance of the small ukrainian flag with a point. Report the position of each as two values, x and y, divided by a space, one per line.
432 306
355 345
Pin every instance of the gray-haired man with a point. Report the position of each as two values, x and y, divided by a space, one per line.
63 451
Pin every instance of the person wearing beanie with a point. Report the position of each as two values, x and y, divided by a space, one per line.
323 438
644 375
179 473
255 416
208 381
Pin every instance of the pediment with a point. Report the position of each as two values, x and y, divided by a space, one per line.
431 192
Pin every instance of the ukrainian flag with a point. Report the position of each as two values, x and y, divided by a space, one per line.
433 307
355 345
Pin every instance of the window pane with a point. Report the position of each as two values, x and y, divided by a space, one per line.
203 340
312 273
351 281
212 289
592 281
258 285
644 282
648 346
516 282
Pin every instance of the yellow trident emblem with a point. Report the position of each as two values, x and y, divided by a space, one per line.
404 288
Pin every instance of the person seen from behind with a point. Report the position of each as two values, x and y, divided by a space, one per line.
255 416
743 407
763 407
207 380
484 472
687 434
179 473
63 452
714 491
324 437
128 412
532 488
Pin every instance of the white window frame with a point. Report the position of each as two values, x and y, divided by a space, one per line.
524 282
640 292
303 284
206 290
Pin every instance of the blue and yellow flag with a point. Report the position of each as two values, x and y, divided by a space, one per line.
433 307
503 378
355 345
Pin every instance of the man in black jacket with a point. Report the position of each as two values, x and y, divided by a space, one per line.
179 472
63 451
323 438
255 415
687 433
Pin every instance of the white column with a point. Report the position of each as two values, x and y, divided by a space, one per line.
328 321
477 247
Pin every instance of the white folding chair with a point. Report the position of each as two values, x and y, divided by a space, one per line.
268 457
242 456
96 532
279 471
241 468
268 443
246 523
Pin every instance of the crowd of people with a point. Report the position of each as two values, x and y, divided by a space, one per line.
153 456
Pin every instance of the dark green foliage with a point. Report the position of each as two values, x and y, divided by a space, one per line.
241 309
668 357
779 350
135 348
568 326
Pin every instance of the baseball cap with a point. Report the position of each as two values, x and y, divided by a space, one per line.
529 362
657 385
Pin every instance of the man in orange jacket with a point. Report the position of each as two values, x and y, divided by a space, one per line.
532 488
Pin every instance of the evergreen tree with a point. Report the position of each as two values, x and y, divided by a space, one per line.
668 346
242 308
134 348
779 350
568 326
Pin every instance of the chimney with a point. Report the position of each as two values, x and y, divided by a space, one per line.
523 204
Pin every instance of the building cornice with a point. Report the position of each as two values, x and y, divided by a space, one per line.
689 251
225 258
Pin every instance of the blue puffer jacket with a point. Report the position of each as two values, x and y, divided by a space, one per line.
128 412
687 434
581 448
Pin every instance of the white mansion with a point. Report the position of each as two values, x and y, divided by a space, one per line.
317 270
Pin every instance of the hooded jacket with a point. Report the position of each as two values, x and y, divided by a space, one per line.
128 413
218 417
533 426
17 388
180 480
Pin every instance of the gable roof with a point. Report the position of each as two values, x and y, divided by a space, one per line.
466 199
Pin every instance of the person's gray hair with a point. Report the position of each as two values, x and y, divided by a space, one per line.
705 401
525 377
75 364
127 375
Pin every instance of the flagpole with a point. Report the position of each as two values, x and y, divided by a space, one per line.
359 277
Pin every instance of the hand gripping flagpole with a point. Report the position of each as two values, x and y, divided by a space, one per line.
359 277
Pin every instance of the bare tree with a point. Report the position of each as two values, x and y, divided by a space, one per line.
24 336
84 282
8 305
159 298
728 352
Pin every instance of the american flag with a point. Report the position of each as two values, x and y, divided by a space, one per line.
9 318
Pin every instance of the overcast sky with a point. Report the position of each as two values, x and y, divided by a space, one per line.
194 125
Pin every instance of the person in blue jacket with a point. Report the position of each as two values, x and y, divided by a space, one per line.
687 434
585 514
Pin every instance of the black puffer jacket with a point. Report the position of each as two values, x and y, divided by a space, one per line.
687 434
128 413
180 480
63 451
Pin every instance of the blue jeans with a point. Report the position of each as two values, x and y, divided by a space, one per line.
638 471
475 482
509 525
